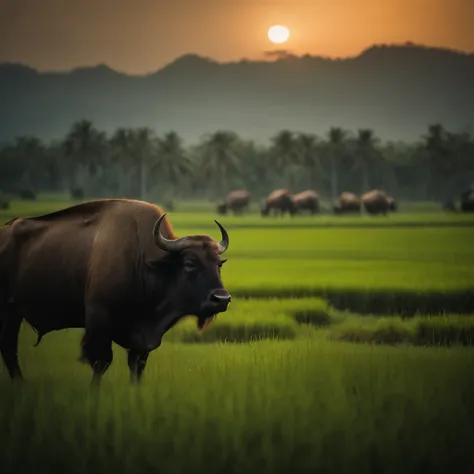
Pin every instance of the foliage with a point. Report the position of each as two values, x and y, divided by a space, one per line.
137 163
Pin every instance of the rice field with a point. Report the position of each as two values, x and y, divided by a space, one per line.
347 348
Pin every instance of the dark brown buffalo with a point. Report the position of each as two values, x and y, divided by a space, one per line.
306 200
376 202
347 203
467 201
4 203
27 195
236 201
106 266
280 201
449 206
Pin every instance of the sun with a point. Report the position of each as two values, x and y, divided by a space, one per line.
278 34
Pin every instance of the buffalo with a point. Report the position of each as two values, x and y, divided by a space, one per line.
113 267
308 200
449 206
347 203
467 201
280 201
376 202
235 201
77 193
27 195
4 203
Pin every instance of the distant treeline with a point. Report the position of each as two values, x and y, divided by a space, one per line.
136 163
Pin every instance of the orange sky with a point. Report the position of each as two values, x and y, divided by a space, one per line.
139 36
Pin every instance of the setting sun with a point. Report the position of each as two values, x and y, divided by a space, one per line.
278 34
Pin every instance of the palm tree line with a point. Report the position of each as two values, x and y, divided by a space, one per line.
138 163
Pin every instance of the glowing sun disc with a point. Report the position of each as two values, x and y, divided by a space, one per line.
278 34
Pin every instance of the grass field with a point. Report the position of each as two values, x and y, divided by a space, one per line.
312 369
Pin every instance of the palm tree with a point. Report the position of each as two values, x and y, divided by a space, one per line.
254 164
32 153
366 157
219 160
121 155
84 147
283 152
143 151
459 165
436 156
173 161
309 157
337 137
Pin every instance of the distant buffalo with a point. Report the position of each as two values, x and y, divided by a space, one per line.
306 200
77 193
467 201
4 203
280 201
347 203
449 206
27 195
376 202
236 201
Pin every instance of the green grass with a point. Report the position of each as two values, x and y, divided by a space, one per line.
290 406
253 320
402 270
446 330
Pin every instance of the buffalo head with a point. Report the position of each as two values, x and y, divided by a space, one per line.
392 204
195 272
222 208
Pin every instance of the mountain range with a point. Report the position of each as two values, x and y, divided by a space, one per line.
397 90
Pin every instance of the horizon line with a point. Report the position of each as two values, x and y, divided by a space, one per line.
279 55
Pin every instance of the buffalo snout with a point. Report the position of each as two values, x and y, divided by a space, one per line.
219 299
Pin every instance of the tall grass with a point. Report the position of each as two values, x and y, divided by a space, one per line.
446 330
252 320
296 406
303 403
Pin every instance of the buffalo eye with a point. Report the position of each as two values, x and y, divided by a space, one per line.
190 266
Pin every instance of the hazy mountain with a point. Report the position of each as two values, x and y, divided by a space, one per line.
396 90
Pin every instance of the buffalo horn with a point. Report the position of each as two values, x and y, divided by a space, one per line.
165 244
183 242
224 244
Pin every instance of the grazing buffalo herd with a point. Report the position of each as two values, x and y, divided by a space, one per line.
113 267
282 201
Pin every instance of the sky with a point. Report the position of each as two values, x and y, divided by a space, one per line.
141 36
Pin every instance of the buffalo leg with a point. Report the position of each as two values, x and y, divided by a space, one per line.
10 322
136 363
96 343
